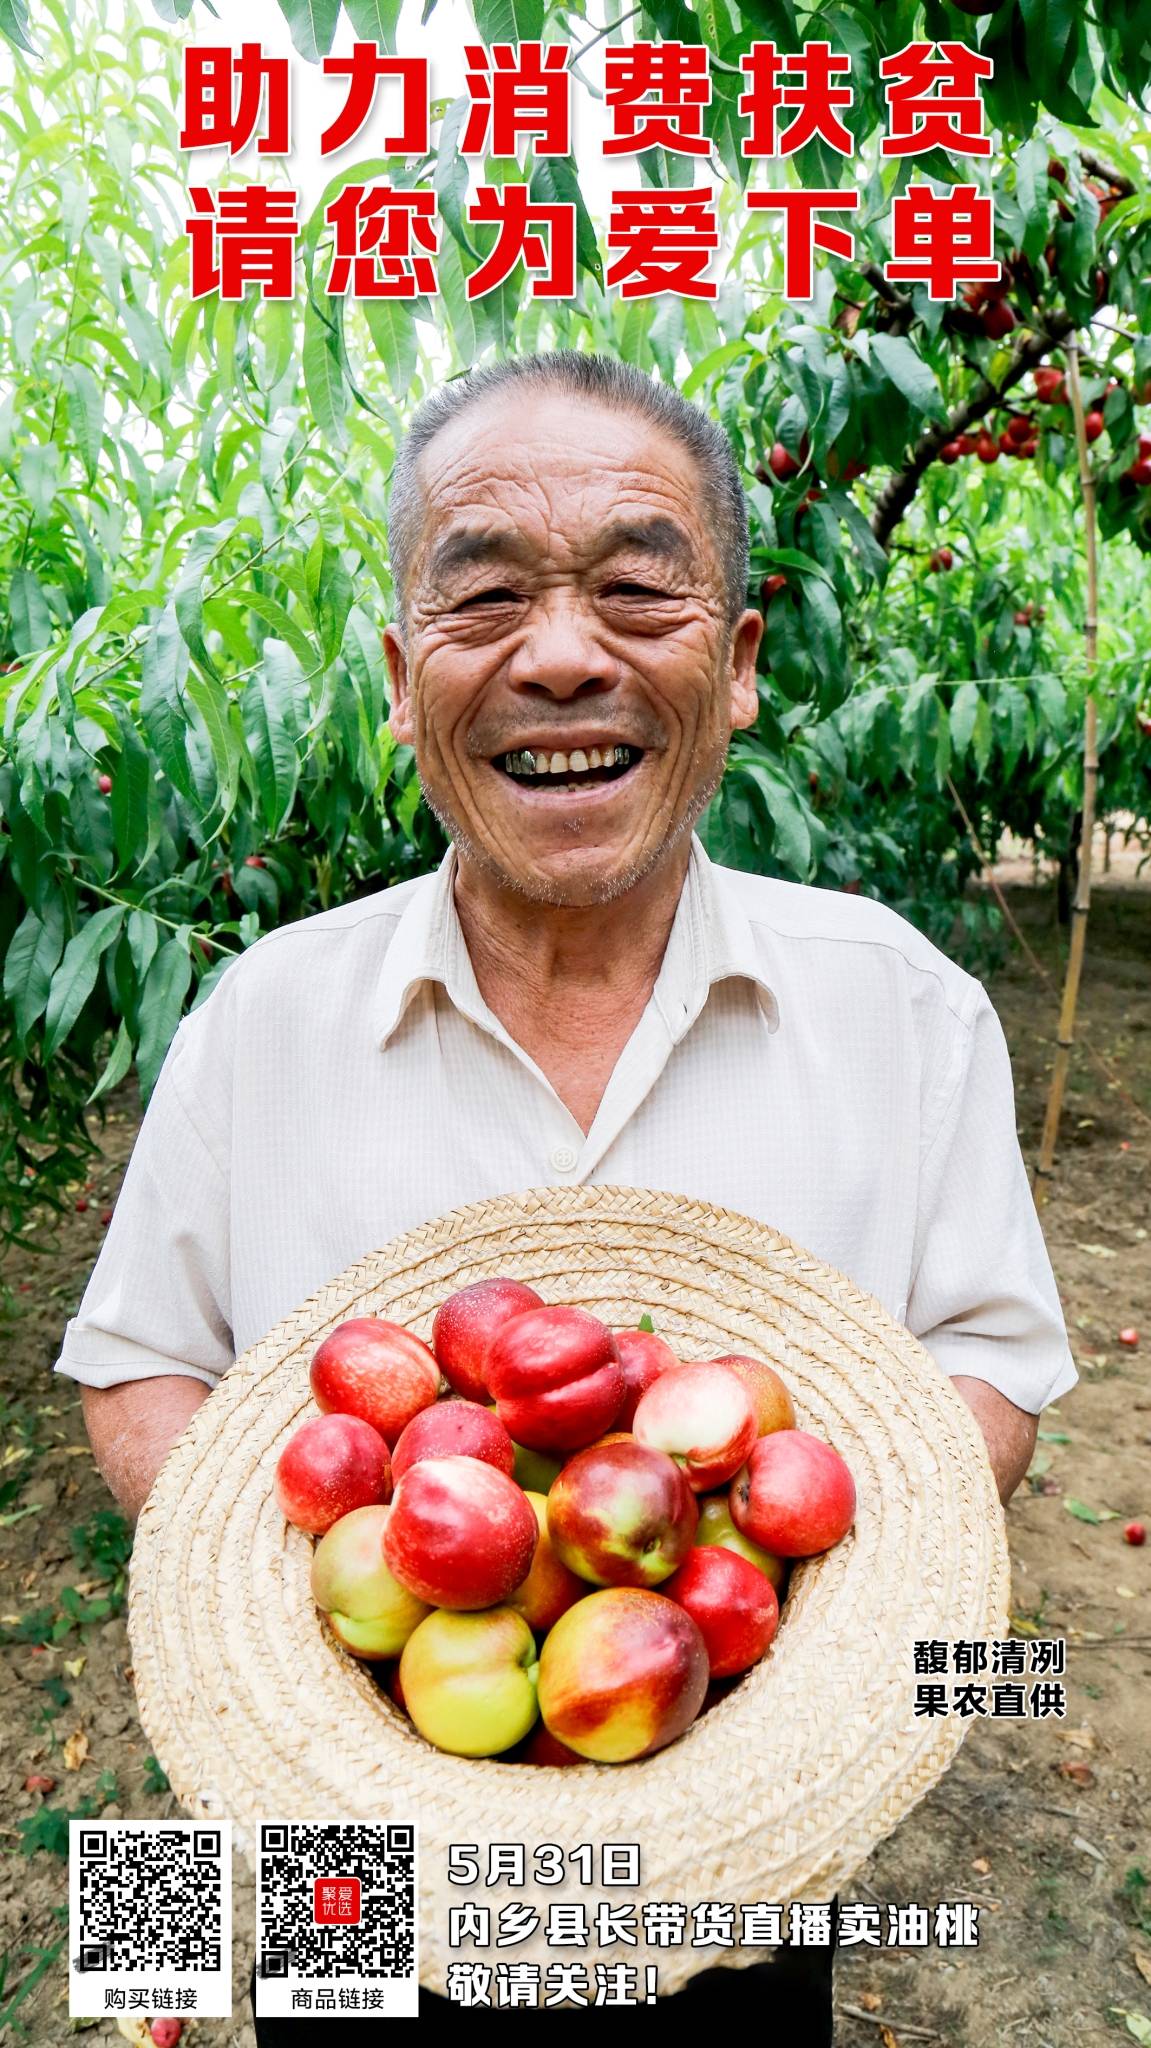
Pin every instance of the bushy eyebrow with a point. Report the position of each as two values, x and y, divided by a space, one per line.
657 537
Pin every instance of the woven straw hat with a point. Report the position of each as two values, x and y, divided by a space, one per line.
779 1792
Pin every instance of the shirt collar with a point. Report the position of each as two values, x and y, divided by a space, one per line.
711 940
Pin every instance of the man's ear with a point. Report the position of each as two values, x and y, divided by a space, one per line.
745 638
400 723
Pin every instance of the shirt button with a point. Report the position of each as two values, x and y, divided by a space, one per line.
563 1159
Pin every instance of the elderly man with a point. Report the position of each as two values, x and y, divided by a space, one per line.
578 994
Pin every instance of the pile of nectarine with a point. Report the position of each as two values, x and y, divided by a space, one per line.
567 1544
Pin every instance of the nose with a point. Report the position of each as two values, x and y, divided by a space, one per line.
560 654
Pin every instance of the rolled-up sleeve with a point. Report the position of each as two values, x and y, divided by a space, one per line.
983 1297
158 1298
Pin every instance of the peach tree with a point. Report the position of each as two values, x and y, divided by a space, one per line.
193 568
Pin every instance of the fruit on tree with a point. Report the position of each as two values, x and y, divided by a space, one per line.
733 1604
951 451
1093 424
460 1534
556 1378
454 1429
367 1608
104 784
329 1466
783 464
941 558
716 1527
622 1674
702 1416
771 1403
1018 428
469 1680
621 1514
376 1370
1140 472
550 1588
998 320
1049 385
987 448
465 1325
771 587
795 1496
643 1357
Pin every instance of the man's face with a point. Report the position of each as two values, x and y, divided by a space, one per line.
566 606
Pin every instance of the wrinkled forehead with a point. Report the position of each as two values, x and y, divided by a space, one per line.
555 476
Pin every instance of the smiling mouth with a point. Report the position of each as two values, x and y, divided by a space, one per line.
582 768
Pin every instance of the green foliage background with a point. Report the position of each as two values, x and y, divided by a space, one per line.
193 574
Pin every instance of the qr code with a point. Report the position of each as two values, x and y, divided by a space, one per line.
337 1900
151 1898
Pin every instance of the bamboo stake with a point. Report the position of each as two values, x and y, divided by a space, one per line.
1082 904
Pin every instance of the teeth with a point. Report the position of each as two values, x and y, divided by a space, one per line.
576 763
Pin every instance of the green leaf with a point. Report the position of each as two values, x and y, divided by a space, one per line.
214 706
646 1325
375 21
163 671
119 1061
188 595
964 712
14 25
161 1003
75 978
324 377
31 962
85 415
393 332
29 611
269 740
450 176
1081 1511
509 21
909 373
1138 2027
313 25
792 836
555 182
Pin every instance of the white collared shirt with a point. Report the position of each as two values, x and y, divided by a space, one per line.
805 1057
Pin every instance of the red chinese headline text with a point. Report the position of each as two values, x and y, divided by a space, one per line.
386 237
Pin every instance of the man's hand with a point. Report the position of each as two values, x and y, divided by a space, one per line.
132 1427
1009 1432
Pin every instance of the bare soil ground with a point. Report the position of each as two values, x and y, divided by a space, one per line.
1043 1824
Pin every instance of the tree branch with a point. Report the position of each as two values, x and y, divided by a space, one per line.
899 491
1110 176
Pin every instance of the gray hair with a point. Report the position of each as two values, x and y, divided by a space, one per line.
618 386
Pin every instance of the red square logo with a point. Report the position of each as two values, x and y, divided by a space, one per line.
336 1902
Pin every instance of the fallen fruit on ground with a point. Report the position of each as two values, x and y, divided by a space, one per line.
622 1514
367 1608
556 1379
795 1496
465 1325
1134 1532
622 1674
469 1680
454 1429
460 1535
702 1416
1129 1338
376 1370
332 1465
733 1605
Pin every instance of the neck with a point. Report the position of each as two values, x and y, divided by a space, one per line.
542 952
